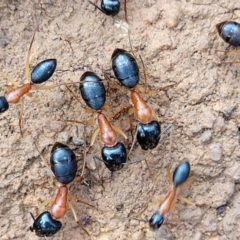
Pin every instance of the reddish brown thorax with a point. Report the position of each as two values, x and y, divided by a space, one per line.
59 206
142 111
15 95
166 204
107 134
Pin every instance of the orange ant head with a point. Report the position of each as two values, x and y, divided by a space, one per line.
156 221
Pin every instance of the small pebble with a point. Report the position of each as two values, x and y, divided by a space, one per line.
206 136
215 152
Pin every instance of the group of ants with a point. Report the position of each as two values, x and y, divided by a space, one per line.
114 154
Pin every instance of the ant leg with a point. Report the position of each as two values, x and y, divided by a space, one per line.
131 110
133 143
120 132
87 122
78 200
97 7
125 10
131 126
188 182
20 117
27 70
43 159
145 75
46 202
9 79
118 114
44 87
74 95
154 115
173 206
76 219
185 200
169 175
9 88
84 154
94 136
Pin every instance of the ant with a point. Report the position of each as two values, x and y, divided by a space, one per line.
40 74
229 31
64 167
126 71
93 92
111 7
179 177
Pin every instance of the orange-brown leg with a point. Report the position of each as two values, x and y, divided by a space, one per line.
131 126
78 200
9 79
125 10
169 175
75 96
76 218
27 70
145 75
117 129
94 136
45 87
20 117
185 200
46 202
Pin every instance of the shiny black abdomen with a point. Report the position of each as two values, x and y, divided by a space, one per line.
114 157
3 104
43 71
92 90
45 226
125 68
63 163
181 173
148 135
110 7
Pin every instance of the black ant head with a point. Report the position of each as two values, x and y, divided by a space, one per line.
156 221
44 225
3 104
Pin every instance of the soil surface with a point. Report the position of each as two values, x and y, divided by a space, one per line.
179 45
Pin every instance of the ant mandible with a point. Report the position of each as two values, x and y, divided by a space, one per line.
179 177
93 92
64 167
41 73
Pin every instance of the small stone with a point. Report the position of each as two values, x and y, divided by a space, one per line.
206 136
91 163
64 137
172 14
78 141
215 152
197 236
228 111
3 43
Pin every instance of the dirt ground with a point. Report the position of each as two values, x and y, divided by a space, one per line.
178 43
